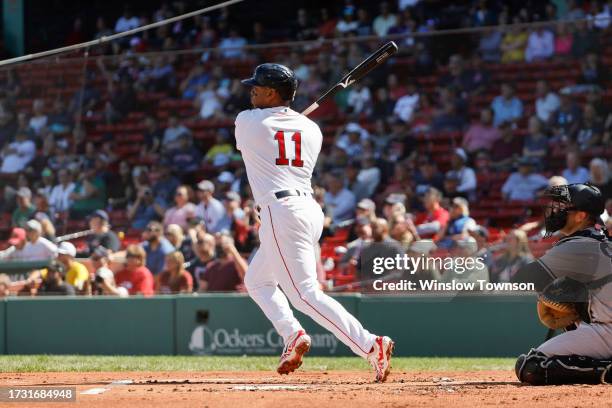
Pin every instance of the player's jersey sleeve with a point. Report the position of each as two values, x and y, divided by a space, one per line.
576 259
242 126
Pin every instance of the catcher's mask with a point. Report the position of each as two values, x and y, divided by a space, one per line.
572 197
558 205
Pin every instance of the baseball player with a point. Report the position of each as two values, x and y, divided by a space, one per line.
280 149
574 279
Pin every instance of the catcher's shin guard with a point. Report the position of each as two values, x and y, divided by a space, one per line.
535 368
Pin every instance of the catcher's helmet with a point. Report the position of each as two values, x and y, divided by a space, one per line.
577 197
581 197
275 76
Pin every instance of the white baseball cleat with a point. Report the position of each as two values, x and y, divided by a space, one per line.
380 357
297 345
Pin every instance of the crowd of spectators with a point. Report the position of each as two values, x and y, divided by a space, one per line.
194 233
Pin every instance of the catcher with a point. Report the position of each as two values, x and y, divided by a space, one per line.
574 282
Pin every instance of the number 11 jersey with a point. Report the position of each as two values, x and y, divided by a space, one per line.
279 147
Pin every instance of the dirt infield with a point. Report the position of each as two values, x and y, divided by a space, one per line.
308 389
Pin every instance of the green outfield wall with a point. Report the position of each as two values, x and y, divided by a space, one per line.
232 324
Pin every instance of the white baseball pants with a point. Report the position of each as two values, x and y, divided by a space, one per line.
289 232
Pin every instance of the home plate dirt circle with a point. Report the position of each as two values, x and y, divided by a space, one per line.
305 389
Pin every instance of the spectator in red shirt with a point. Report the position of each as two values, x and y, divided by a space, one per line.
226 272
174 278
135 277
433 223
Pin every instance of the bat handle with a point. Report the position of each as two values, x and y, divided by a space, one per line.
310 109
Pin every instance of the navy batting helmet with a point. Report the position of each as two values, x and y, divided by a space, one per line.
275 76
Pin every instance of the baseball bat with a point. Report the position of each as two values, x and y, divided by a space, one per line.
356 73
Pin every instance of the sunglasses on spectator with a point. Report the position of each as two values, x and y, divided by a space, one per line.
128 255
153 229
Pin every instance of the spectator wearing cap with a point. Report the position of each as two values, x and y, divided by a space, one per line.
366 208
184 244
16 155
506 107
101 235
433 223
351 139
574 172
135 277
17 242
459 223
53 283
76 273
25 209
392 202
227 271
104 277
156 247
465 175
524 184
183 209
233 212
89 193
339 201
481 135
174 278
209 209
222 151
37 248
145 209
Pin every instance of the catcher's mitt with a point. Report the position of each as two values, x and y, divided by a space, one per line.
562 302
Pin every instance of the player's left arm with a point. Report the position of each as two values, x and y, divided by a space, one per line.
242 125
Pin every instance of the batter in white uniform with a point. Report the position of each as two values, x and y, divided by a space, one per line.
280 149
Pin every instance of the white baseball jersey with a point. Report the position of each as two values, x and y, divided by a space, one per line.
279 147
